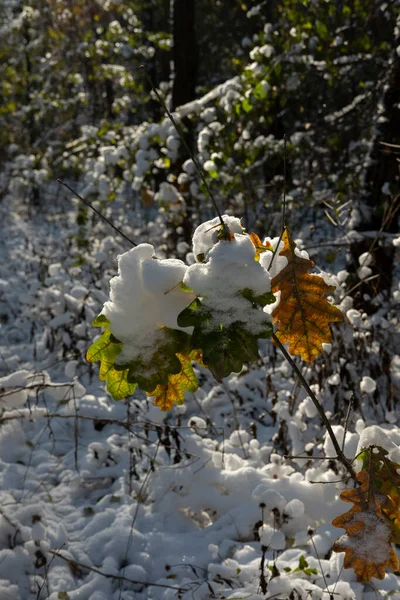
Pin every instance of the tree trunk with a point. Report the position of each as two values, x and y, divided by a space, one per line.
378 208
185 52
383 166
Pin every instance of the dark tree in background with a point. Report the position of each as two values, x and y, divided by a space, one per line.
185 52
384 164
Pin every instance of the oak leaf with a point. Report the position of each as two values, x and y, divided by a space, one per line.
373 522
366 544
106 350
225 349
303 314
122 379
166 395
259 246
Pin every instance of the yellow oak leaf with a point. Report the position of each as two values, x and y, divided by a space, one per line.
303 314
106 350
165 396
259 246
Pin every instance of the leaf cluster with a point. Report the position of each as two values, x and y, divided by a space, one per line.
302 319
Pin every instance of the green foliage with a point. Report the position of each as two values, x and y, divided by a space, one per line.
148 374
303 567
224 349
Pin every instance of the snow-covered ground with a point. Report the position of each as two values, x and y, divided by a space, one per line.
118 501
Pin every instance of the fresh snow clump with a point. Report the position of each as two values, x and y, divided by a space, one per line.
375 436
168 194
229 269
144 298
367 385
206 234
278 263
14 393
266 534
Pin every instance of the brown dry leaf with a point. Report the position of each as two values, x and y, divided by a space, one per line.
303 313
366 543
260 247
372 523
386 482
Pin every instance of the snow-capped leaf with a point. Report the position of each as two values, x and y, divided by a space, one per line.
225 349
366 543
372 524
231 288
122 379
303 314
150 373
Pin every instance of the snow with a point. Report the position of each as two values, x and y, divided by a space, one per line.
229 268
273 262
185 499
374 533
145 296
206 234
377 436
367 385
210 165
168 194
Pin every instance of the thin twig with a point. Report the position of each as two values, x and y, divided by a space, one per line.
89 205
117 577
340 456
346 422
284 205
319 562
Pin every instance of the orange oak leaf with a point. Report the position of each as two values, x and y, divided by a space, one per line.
303 314
165 396
382 475
366 543
372 523
259 246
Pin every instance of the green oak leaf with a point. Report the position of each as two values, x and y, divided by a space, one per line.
225 349
261 299
122 379
100 321
148 374
184 287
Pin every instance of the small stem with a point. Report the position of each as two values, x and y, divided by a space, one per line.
115 577
340 455
121 233
284 225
